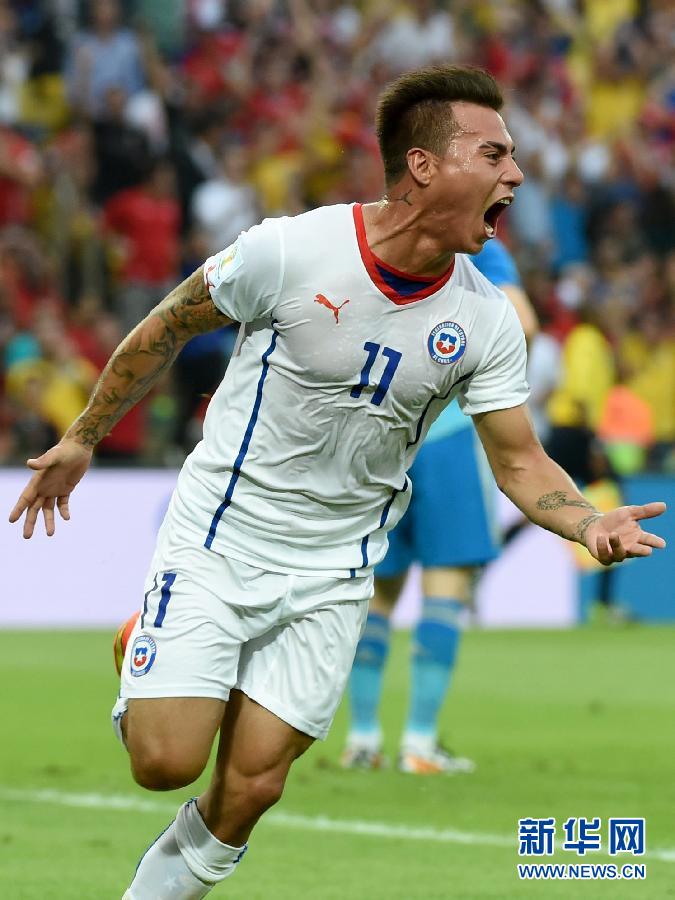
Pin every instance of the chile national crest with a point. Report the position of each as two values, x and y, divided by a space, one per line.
142 655
446 343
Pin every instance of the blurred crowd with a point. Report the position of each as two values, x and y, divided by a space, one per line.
139 136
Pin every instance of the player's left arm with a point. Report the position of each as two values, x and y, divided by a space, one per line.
549 497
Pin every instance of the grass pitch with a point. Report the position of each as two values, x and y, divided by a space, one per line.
561 724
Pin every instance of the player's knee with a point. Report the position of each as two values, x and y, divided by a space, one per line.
163 774
256 793
267 789
157 767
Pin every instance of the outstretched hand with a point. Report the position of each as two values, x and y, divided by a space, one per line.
617 535
57 472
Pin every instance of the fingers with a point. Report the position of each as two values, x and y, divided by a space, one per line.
651 540
639 550
32 507
38 463
610 550
21 504
43 462
48 514
64 509
27 498
603 550
649 510
31 518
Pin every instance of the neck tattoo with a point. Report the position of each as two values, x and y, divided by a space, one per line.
404 199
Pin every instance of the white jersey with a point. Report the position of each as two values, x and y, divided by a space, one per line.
331 390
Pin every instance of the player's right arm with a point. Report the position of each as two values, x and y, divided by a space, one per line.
135 366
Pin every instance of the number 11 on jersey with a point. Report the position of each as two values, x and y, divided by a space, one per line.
393 358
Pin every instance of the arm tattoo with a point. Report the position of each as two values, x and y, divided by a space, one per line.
556 499
582 527
189 310
145 354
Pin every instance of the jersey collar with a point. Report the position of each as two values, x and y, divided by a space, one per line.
371 262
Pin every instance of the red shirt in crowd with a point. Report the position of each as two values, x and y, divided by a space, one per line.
20 169
151 227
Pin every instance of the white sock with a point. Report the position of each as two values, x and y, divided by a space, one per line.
185 861
421 744
208 858
365 740
162 873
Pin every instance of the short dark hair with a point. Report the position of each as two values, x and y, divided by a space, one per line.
414 111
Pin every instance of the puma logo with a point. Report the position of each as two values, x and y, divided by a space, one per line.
324 301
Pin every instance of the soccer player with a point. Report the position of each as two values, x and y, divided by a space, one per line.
450 557
258 590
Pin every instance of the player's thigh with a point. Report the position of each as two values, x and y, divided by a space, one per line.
454 524
182 658
299 669
255 739
172 735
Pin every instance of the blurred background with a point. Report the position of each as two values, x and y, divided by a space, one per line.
137 137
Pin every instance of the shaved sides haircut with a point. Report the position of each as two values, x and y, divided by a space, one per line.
415 111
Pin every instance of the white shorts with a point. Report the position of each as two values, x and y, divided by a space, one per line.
210 623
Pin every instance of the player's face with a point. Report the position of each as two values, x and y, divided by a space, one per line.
474 182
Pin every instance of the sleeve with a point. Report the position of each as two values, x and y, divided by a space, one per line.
245 279
499 382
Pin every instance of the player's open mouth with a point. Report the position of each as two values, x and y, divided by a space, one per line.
492 214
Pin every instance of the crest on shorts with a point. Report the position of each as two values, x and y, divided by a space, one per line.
143 653
446 343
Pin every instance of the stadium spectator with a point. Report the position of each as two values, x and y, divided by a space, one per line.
69 218
648 355
226 205
122 150
96 333
543 375
568 219
417 34
532 222
104 57
588 373
21 170
57 382
196 150
144 222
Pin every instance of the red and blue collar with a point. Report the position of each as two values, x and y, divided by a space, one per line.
399 287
